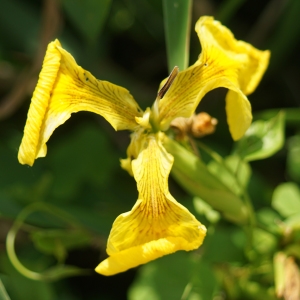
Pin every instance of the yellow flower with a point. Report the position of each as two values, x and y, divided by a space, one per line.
157 224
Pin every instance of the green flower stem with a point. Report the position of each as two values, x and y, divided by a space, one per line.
247 200
10 248
52 274
193 175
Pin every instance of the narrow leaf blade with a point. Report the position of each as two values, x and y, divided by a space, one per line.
177 19
3 293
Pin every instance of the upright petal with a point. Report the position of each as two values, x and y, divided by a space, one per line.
223 62
39 104
64 88
157 225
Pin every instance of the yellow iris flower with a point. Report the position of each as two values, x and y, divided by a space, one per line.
157 224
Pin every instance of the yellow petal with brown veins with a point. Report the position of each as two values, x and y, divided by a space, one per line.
157 225
223 62
64 88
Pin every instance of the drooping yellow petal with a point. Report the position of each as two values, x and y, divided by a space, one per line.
138 139
224 62
238 110
157 225
64 88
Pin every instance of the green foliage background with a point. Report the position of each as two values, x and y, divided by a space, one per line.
123 41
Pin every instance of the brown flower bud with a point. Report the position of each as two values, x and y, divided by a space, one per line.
197 125
203 124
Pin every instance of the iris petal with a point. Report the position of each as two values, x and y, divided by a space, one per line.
224 62
38 106
157 225
64 88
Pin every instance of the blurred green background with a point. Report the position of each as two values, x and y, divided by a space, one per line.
123 41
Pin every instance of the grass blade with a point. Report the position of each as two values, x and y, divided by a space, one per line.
177 20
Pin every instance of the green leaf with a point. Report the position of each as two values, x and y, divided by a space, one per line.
234 173
176 276
177 19
58 241
293 158
233 242
3 293
286 199
203 283
262 139
293 221
165 278
202 208
269 219
291 115
88 16
194 176
255 291
263 241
